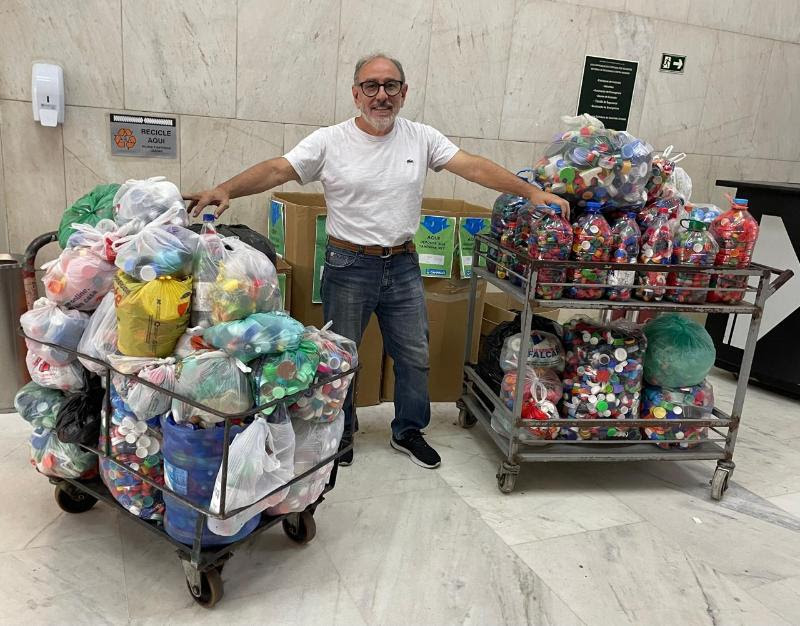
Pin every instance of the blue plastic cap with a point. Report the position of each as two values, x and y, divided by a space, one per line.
742 201
209 217
631 214
593 206
556 208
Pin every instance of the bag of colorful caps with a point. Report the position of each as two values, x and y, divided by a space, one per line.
136 443
256 335
602 377
669 404
590 163
542 383
337 356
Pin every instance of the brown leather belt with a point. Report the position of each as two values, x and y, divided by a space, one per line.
383 251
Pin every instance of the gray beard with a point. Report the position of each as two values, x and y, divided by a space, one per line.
379 124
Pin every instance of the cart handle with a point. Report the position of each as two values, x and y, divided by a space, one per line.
29 266
780 281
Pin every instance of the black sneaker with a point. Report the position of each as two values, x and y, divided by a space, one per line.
347 458
413 444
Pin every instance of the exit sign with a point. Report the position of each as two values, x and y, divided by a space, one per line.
672 63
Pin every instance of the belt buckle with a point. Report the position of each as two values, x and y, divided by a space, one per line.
386 256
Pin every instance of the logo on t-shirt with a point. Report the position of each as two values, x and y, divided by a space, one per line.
409 160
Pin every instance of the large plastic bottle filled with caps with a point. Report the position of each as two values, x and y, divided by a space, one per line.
591 242
693 246
552 241
736 232
625 236
505 260
505 209
656 249
207 258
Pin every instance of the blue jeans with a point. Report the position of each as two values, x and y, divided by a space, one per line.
354 286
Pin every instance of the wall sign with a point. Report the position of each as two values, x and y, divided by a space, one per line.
143 136
607 90
672 63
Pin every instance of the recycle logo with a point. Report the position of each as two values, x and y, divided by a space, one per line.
125 138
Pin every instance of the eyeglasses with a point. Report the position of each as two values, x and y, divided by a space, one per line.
371 88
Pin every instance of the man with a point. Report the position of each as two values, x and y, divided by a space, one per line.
372 170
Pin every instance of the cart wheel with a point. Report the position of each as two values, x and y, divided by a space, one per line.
210 590
507 477
300 527
719 483
466 419
72 500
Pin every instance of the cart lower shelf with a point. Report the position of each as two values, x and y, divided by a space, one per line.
472 410
204 570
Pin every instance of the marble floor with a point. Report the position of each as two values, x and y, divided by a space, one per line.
628 543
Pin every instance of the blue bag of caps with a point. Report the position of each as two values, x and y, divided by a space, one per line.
257 335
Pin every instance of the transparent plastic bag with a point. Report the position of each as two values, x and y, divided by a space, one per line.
214 379
99 239
679 185
602 377
100 337
256 335
589 162
151 316
337 355
143 401
78 279
60 460
680 352
191 342
283 375
247 283
545 351
142 201
38 405
541 395
137 443
158 249
47 321
69 377
695 402
207 258
260 460
314 442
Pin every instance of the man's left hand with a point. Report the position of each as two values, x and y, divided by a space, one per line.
543 197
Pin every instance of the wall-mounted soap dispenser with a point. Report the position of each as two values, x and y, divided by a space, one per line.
47 94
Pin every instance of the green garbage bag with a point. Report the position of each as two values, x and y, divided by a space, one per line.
96 205
680 352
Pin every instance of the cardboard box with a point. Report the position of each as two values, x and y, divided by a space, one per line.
285 283
297 229
293 225
447 303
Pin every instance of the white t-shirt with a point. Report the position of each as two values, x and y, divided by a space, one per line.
373 185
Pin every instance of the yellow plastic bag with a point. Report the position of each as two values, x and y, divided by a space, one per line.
151 316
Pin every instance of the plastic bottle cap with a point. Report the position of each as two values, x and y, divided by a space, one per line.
148 273
209 217
593 207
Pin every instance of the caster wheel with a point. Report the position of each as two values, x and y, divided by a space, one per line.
466 419
210 590
72 500
719 483
300 527
507 477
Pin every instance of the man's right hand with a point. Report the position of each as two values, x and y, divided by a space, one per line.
217 197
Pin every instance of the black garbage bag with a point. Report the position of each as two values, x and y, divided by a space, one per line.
78 419
245 233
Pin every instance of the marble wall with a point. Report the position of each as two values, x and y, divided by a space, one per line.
249 78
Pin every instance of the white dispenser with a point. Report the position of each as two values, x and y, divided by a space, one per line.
47 93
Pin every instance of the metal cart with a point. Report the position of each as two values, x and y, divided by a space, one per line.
479 401
202 565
